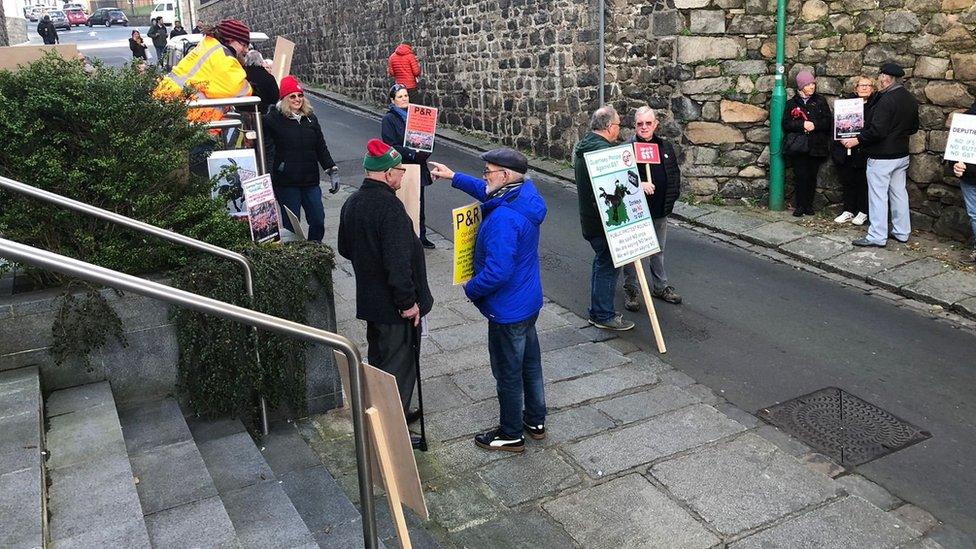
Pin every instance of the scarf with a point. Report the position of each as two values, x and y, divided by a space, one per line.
401 112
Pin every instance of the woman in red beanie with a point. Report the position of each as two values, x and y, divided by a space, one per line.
295 149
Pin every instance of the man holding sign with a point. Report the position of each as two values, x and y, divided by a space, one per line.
962 149
506 286
661 181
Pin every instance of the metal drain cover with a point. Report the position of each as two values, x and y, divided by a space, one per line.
840 425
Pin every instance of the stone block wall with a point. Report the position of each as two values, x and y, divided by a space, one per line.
525 73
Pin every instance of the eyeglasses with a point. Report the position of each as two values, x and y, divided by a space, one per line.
488 172
298 95
613 124
651 123
865 85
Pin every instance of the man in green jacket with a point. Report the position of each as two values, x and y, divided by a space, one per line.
604 132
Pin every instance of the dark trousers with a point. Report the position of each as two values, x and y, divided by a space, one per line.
395 349
516 363
603 281
160 52
805 170
855 182
308 198
423 217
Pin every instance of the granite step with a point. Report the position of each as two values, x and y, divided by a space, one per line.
22 505
255 498
180 502
93 500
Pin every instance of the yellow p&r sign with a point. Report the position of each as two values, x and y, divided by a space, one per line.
467 219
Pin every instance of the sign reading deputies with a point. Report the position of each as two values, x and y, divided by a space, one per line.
961 145
466 221
622 205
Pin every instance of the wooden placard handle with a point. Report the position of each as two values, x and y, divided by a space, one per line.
651 313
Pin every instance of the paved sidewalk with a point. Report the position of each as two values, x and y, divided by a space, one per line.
638 454
926 272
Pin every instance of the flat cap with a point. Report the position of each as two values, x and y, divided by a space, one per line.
507 158
892 69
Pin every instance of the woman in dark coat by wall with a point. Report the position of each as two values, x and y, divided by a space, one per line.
137 46
852 163
393 127
808 124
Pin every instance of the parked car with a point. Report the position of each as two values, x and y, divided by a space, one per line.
74 6
30 12
166 10
77 17
108 17
177 48
60 19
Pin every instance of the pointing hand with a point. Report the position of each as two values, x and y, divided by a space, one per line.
440 171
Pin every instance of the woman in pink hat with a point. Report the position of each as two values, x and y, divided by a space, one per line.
808 123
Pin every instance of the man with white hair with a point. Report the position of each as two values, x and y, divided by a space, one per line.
662 190
604 132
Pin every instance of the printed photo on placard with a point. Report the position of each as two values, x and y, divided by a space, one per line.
420 128
848 118
227 169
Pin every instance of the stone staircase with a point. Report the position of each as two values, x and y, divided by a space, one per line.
144 475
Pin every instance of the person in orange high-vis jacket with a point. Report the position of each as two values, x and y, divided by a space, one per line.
213 69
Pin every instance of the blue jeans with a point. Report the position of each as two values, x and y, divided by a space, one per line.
307 198
969 196
603 282
516 363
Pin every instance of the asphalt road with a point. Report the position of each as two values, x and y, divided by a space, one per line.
110 44
755 331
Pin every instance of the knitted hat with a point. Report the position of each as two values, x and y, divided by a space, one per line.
289 85
234 29
380 156
803 78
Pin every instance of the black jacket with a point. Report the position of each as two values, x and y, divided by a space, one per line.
667 189
894 118
818 112
295 149
376 234
158 33
177 32
196 30
138 49
264 84
857 159
391 132
590 220
48 32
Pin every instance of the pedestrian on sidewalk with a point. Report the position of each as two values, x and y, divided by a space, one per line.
604 132
893 120
808 122
393 127
507 289
852 163
47 30
137 46
967 183
200 28
402 65
158 34
662 190
178 29
392 294
295 149
262 81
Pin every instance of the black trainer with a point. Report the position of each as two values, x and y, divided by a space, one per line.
495 440
537 432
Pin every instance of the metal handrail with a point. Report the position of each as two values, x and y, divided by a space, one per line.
177 238
22 253
248 101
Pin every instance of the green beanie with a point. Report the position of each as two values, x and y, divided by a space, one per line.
380 156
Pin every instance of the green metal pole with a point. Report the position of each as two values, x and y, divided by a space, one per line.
776 162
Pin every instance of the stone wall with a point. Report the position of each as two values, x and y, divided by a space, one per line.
525 73
13 30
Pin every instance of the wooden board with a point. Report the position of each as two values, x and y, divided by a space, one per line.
284 51
409 194
13 56
377 431
381 392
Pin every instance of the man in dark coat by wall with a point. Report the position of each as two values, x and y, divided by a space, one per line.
662 191
159 35
47 31
392 294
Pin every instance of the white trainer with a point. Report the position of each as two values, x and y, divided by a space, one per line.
860 218
844 217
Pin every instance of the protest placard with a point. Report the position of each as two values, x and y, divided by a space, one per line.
466 221
848 118
284 51
262 209
420 129
227 170
647 153
409 194
961 145
622 204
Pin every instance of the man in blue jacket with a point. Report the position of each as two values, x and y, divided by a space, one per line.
507 289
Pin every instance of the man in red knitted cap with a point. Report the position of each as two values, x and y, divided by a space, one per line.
392 295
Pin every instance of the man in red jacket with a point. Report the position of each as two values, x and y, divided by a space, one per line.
404 69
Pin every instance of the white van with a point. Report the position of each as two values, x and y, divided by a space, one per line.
166 10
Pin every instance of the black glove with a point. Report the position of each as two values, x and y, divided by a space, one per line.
334 179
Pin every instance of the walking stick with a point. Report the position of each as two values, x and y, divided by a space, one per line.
422 446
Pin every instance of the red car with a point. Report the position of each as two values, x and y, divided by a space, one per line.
77 17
